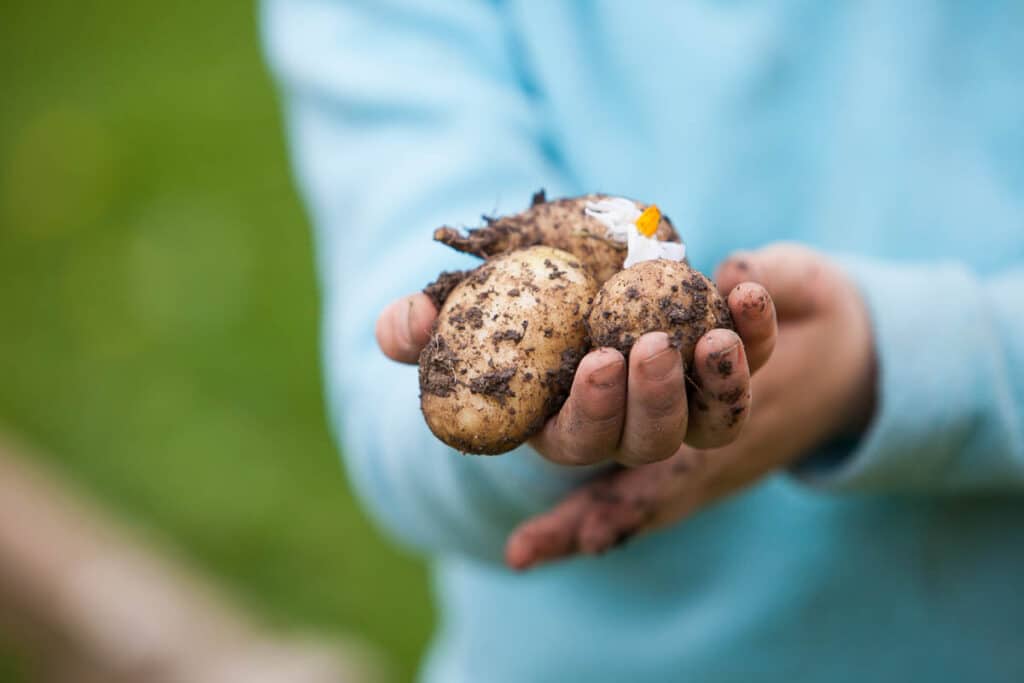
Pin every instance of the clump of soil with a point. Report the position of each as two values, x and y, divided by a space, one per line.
439 289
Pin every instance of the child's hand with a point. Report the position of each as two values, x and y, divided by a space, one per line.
640 416
818 385
642 413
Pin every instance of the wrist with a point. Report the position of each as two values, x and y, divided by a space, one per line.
859 408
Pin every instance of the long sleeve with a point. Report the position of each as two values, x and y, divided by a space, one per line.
404 116
950 387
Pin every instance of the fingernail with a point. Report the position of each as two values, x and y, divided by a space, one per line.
401 326
608 375
661 362
744 265
418 332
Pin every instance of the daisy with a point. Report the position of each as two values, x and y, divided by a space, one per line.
626 223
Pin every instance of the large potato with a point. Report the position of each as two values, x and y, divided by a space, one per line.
658 295
504 349
561 223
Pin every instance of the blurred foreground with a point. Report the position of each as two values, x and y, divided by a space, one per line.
158 312
89 600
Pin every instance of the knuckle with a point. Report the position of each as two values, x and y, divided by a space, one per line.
662 401
594 415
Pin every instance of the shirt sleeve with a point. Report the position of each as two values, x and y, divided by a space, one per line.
403 116
950 389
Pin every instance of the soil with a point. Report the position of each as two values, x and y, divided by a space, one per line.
734 415
494 384
559 223
732 396
437 368
559 381
555 273
512 335
472 316
439 289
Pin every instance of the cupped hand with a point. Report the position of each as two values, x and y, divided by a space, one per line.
642 410
819 384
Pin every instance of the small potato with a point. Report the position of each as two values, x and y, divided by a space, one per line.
504 349
560 223
659 295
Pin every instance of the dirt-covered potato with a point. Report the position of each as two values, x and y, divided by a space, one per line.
504 349
560 223
658 295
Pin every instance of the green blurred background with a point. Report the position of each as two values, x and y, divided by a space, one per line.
158 309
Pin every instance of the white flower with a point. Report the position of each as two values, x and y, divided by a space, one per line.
615 213
620 217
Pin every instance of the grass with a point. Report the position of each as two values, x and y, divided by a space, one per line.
158 308
13 667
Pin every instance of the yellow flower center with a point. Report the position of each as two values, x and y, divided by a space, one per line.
647 223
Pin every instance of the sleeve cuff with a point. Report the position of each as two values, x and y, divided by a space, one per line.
930 335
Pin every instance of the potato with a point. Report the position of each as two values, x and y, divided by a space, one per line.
560 223
504 349
657 295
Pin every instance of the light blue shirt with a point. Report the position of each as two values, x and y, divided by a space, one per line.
889 134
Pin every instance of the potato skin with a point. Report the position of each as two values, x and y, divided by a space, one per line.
504 349
658 295
561 223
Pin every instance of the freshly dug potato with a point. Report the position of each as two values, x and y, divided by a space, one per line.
561 223
504 349
658 295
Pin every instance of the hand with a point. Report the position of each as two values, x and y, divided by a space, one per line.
819 384
641 415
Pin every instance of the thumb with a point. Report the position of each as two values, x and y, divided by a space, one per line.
403 328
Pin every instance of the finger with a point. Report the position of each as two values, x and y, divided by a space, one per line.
630 502
721 397
656 413
547 537
615 514
753 311
611 510
588 427
642 499
792 274
403 328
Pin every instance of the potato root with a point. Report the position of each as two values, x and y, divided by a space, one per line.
560 223
658 295
504 349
